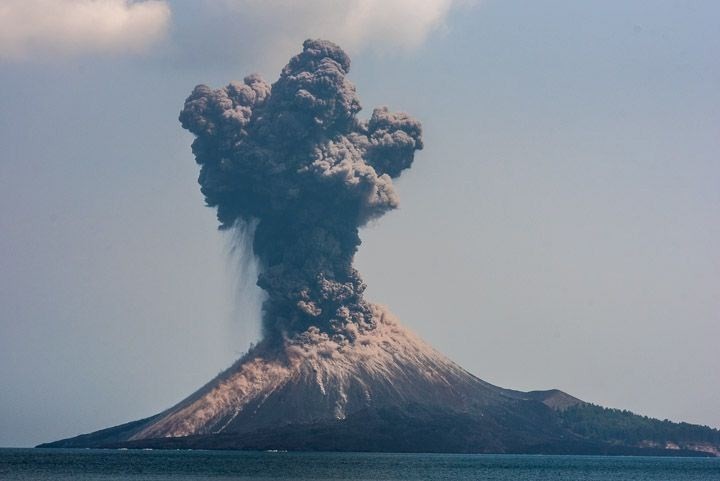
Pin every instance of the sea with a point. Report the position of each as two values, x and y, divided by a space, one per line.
111 465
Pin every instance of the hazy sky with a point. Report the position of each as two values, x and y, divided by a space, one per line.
560 229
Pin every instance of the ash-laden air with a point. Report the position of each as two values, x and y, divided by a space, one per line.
334 371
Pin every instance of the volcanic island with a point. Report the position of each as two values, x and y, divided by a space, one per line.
334 371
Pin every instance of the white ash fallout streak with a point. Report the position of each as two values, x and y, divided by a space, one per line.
382 365
293 157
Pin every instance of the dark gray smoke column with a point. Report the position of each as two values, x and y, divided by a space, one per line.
294 157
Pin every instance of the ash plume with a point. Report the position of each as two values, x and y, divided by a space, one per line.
294 158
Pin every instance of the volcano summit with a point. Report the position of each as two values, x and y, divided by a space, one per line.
334 371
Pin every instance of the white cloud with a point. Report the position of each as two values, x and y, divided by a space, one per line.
41 28
261 35
354 24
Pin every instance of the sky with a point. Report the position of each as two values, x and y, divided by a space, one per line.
559 230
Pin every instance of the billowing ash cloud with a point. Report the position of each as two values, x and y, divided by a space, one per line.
293 157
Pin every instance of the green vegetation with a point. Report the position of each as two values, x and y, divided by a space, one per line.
623 427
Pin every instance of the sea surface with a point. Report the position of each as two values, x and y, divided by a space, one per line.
109 465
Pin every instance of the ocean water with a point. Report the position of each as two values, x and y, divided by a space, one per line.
108 465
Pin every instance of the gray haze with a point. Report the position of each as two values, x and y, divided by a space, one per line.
559 229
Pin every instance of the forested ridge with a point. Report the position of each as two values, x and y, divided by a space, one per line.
622 426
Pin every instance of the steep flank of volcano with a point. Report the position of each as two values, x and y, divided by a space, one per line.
316 378
386 390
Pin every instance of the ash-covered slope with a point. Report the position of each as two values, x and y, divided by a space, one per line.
387 390
316 378
317 381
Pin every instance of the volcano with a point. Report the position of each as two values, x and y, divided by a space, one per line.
387 391
334 371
